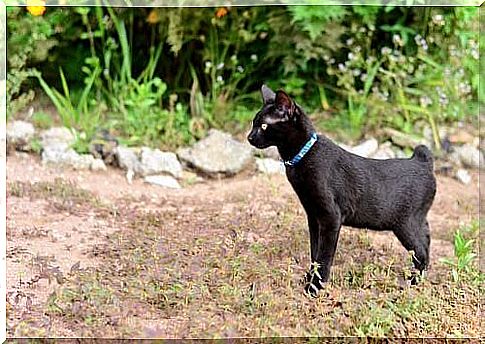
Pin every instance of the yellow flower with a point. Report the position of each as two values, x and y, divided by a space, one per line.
36 7
221 12
153 17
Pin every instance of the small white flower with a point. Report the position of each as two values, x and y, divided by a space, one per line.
254 57
341 67
351 56
464 88
208 64
220 79
474 53
438 19
356 72
386 51
425 101
220 66
397 40
350 41
233 58
443 100
240 69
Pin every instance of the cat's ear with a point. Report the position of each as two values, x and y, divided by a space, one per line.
268 94
284 103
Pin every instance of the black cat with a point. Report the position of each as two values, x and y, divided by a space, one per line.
339 188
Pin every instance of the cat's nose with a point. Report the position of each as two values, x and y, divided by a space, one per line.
251 137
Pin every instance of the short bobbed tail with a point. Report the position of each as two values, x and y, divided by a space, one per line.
423 154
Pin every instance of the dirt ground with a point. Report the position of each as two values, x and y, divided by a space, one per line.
90 255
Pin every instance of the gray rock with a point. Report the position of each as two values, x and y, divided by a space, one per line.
165 181
270 153
217 153
404 140
384 152
127 158
270 166
400 154
56 154
366 148
156 161
81 161
463 176
19 134
98 165
469 156
57 136
60 155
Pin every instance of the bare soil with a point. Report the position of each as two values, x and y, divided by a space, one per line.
90 255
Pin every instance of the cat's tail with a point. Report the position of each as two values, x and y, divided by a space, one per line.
423 154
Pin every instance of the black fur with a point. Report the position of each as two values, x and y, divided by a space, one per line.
339 188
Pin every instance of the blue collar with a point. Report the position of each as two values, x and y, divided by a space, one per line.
309 144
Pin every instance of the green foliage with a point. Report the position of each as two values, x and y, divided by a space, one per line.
413 83
31 41
42 120
365 66
81 117
463 266
313 19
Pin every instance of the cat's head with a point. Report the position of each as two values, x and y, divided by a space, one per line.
274 121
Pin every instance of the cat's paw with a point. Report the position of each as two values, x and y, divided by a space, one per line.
313 281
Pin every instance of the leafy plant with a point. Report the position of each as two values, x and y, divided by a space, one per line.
462 264
80 117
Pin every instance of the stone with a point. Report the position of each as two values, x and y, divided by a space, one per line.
154 161
463 176
60 155
270 153
127 158
57 136
56 154
80 161
384 152
366 148
469 156
404 140
98 165
162 180
270 166
218 153
19 134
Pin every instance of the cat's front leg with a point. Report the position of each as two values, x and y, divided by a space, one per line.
324 233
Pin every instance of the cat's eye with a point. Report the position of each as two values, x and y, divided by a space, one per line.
264 126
